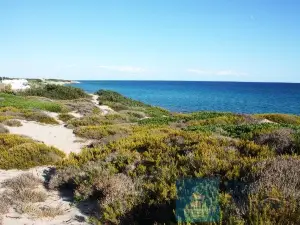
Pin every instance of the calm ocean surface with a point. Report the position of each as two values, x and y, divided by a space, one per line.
185 96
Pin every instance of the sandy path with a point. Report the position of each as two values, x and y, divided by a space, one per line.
54 135
104 108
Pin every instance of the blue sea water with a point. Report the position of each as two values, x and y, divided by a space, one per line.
190 96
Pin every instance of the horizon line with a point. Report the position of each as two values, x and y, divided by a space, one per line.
281 82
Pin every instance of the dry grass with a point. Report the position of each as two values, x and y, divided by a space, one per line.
280 140
114 188
41 211
12 123
82 106
21 182
4 204
20 190
282 174
27 196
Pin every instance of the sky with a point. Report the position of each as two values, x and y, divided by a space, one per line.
205 40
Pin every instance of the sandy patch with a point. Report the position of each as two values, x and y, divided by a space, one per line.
53 135
70 214
265 121
104 108
75 114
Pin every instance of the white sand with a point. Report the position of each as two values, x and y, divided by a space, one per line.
104 108
265 121
75 114
53 135
70 213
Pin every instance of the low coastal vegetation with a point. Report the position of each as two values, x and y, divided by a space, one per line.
8 114
140 152
65 117
133 176
18 152
119 102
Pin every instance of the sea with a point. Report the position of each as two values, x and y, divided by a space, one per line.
191 96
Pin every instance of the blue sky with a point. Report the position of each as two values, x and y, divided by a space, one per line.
222 40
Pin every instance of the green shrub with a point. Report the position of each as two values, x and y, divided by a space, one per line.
220 120
56 92
244 131
65 117
12 123
17 152
133 114
297 142
204 115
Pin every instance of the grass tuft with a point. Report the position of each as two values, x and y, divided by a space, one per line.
12 123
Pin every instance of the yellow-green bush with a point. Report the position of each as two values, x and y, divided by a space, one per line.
281 118
65 117
221 120
17 152
39 117
88 121
7 113
4 118
98 132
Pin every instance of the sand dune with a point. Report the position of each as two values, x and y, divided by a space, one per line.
54 135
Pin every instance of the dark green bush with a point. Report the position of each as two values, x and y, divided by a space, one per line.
56 92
